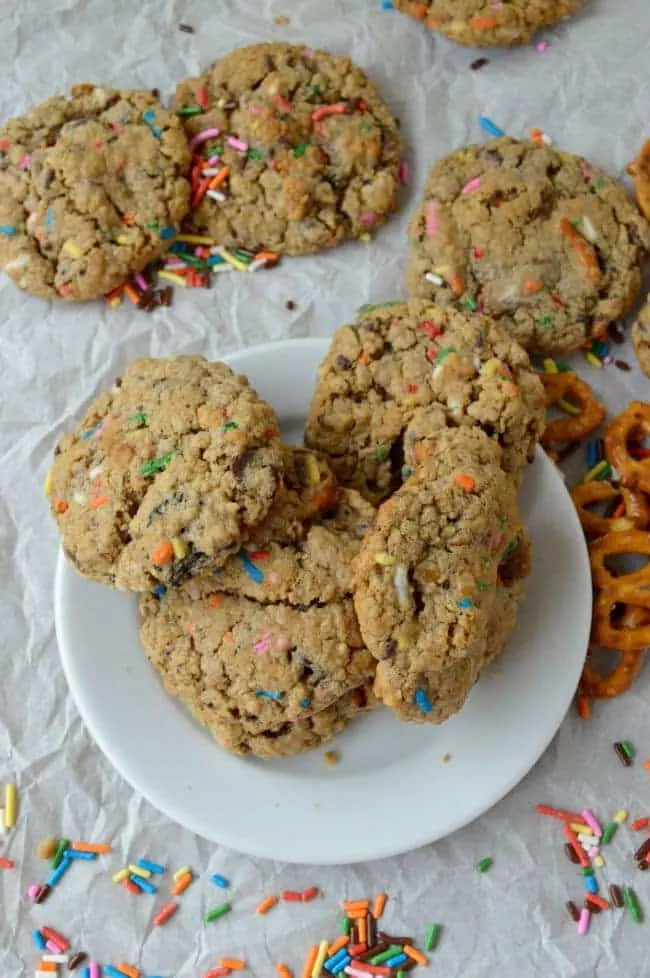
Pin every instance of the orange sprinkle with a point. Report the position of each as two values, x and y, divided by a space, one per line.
219 178
380 901
98 501
284 971
98 847
418 10
132 293
415 955
536 135
337 945
583 250
356 905
201 191
646 765
362 930
356 914
467 483
270 257
54 935
483 23
47 966
620 510
131 887
233 963
61 506
531 286
181 884
584 707
129 970
163 554
310 961
323 111
457 285
128 219
364 358
215 601
6 864
266 904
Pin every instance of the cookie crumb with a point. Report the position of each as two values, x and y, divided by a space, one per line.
186 28
479 63
290 305
332 757
446 758
281 21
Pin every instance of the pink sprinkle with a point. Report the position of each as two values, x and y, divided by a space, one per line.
593 852
471 185
237 144
272 578
263 645
592 821
542 46
24 163
142 282
404 172
432 219
368 219
213 160
583 923
202 137
94 969
254 110
32 892
54 947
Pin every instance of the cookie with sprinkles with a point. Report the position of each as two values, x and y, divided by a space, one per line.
299 736
402 371
294 150
429 572
537 238
166 475
641 339
480 23
92 188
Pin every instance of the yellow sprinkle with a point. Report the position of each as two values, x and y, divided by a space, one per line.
594 360
402 641
235 262
313 471
579 827
621 816
195 239
551 367
72 249
599 861
384 560
122 875
49 482
596 471
179 547
182 872
568 408
139 871
172 277
320 958
11 805
491 366
114 302
365 237
617 526
123 239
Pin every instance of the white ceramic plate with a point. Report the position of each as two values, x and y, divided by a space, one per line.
298 809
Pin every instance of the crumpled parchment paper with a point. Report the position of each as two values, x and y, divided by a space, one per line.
588 91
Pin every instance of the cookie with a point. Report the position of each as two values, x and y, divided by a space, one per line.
92 188
640 170
537 238
423 696
429 570
166 474
310 153
480 23
300 736
401 361
641 339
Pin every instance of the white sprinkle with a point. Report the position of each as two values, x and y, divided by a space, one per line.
210 171
95 471
401 585
220 269
434 279
546 140
80 497
257 264
590 231
216 250
216 195
55 958
17 263
587 841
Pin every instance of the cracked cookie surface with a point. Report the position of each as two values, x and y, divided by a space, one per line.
404 370
538 238
92 187
312 152
166 474
481 23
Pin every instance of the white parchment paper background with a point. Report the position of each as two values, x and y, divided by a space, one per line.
590 92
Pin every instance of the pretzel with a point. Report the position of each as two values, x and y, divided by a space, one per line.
635 516
626 639
568 386
597 687
634 473
632 588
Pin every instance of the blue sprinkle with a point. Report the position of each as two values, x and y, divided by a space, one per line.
386 5
144 885
305 702
155 868
465 603
178 248
220 881
49 217
592 454
422 701
332 963
167 233
39 940
111 972
160 591
396 960
215 260
489 126
7 229
73 854
92 431
269 694
149 117
64 866
591 884
86 972
253 572
342 965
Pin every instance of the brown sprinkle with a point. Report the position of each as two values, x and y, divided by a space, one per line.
616 894
43 893
479 63
643 850
332 757
571 854
390 939
624 759
642 865
622 365
574 913
371 929
76 960
290 305
186 28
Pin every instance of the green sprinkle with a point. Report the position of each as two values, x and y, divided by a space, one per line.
503 520
366 127
345 926
190 110
484 865
599 183
139 418
446 350
632 905
587 871
547 320
609 832
470 303
482 586
400 974
301 149
381 454
255 154
314 89
605 474
58 855
432 937
564 368
154 225
229 425
385 955
217 912
156 464
628 749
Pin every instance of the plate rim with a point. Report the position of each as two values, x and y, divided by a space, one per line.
165 803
